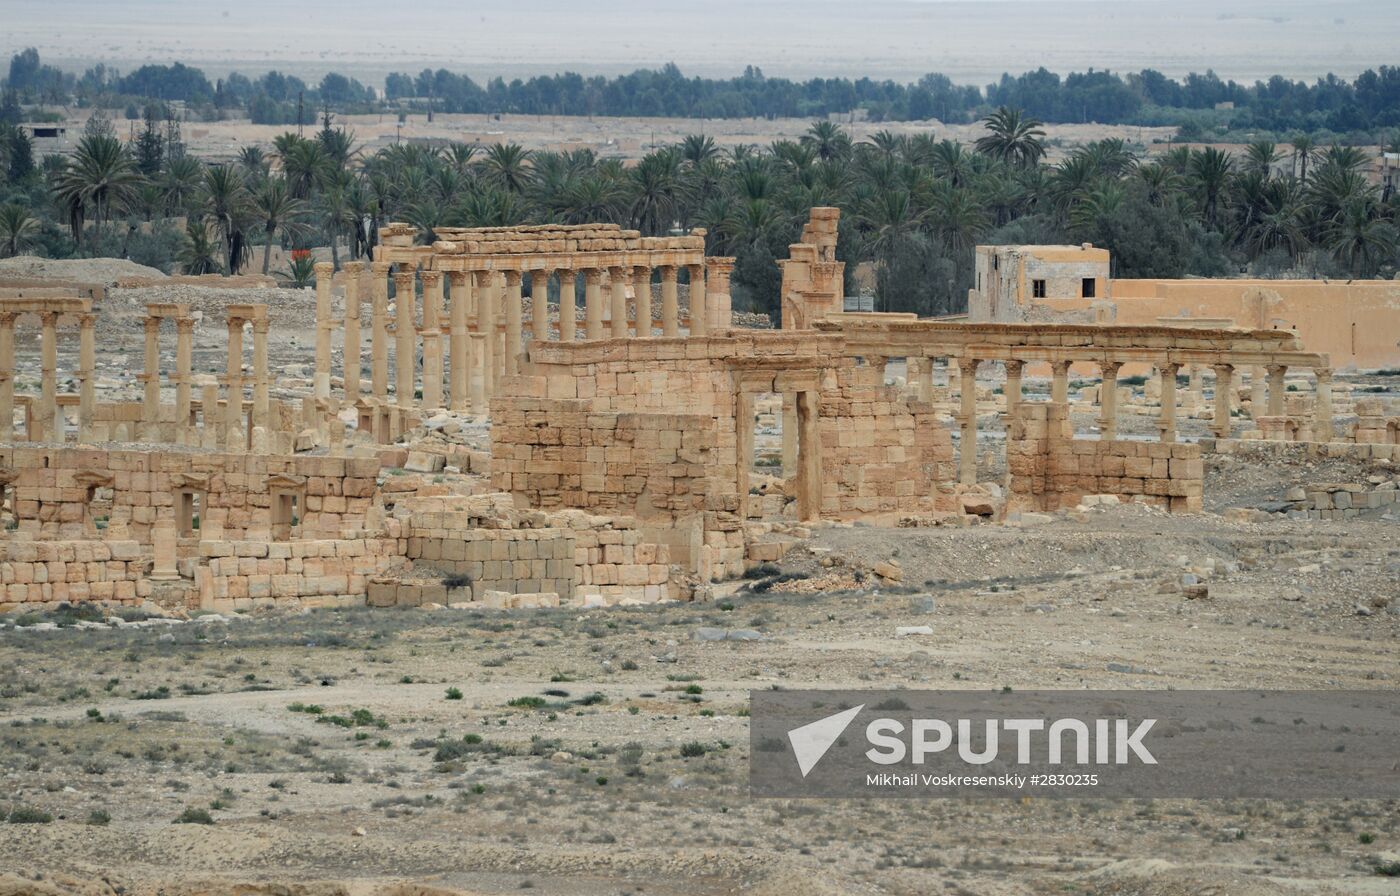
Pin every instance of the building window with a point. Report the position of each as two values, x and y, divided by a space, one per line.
1087 290
1038 289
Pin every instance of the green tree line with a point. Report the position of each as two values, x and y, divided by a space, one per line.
1369 102
913 206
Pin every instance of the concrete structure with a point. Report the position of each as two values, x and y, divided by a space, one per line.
1355 323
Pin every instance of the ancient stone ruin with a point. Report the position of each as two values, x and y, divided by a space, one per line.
623 462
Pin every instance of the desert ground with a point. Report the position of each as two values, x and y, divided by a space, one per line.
604 751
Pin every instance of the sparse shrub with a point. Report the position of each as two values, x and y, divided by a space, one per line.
99 818
530 702
693 749
454 693
28 815
194 815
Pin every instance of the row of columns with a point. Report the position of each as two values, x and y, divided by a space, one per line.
48 424
484 325
966 415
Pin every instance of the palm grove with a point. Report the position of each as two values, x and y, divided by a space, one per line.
913 206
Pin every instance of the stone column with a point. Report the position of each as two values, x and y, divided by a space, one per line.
351 374
233 387
618 277
514 325
568 305
1224 385
87 373
150 405
1059 383
967 420
7 376
184 362
44 426
699 323
460 342
790 435
1167 424
477 375
404 327
432 339
1276 389
809 492
1322 410
163 542
1108 400
593 303
539 306
670 312
210 424
718 302
486 323
379 330
262 403
1195 392
641 301
1257 395
1013 389
324 272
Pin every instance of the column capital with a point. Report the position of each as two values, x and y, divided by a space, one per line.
1323 374
405 278
236 323
261 326
1107 367
457 278
568 275
1224 369
617 271
323 268
668 271
512 278
184 325
48 318
152 325
1276 369
641 270
967 364
353 267
594 276
1169 368
380 267
1014 365
430 278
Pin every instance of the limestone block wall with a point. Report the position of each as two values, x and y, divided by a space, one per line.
36 575
1049 469
57 491
245 575
880 452
511 560
560 453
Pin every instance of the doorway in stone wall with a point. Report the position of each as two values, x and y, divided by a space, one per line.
779 457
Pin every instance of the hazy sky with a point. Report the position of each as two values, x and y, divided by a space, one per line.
971 40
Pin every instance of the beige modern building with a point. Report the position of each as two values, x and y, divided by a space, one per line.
1354 322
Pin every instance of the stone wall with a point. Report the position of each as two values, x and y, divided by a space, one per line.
43 574
244 575
60 492
1049 469
880 452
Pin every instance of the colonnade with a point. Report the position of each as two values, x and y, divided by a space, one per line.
48 424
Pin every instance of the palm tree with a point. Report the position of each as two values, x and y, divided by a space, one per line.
507 166
227 202
1211 170
278 210
180 183
1360 239
1013 137
17 228
304 164
655 184
254 163
199 254
335 215
101 173
1304 146
828 139
698 148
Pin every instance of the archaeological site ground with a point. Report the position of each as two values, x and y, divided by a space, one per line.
453 573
